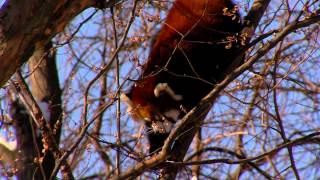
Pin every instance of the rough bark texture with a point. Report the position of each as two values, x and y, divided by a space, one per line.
45 88
25 23
45 83
32 162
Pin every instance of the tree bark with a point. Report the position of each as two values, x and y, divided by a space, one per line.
33 162
45 89
27 23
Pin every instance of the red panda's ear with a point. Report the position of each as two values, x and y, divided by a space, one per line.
126 99
131 106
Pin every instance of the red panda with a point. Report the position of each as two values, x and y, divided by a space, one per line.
188 57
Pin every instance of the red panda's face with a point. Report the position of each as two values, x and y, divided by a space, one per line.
144 106
138 112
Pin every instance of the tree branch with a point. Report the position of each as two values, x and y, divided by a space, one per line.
25 23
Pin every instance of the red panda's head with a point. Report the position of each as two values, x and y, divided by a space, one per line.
144 104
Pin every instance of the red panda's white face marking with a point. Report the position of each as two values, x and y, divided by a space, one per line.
167 89
126 99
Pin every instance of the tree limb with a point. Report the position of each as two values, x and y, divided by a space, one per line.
25 23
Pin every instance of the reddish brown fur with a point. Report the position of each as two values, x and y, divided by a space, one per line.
189 55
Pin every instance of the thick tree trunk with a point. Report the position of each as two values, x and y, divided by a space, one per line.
33 163
26 23
45 89
44 83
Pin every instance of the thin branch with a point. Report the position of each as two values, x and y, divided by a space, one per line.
118 111
295 142
108 66
49 141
